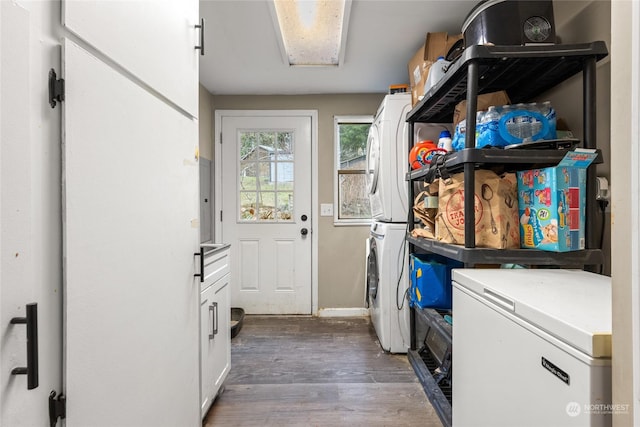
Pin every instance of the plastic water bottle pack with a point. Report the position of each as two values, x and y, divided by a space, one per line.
510 124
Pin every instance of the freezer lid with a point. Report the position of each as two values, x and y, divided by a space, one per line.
572 305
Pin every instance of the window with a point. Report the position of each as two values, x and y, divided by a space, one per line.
351 196
266 176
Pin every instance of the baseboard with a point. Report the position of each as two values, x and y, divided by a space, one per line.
343 312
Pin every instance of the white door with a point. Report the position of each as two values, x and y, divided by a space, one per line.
30 263
130 226
266 212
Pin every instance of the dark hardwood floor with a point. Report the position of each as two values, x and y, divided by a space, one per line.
309 371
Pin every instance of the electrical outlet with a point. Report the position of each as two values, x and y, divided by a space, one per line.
603 193
326 209
602 188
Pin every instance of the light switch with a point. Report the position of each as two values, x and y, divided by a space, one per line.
326 209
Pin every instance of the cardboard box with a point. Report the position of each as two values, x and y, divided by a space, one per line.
417 66
496 210
436 44
484 102
400 88
552 204
439 44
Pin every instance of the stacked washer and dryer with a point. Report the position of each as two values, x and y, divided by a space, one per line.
386 275
387 259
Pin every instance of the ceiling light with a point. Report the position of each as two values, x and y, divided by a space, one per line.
311 32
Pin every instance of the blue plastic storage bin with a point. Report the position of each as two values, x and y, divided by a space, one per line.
430 282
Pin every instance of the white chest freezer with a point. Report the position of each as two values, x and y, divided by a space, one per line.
531 348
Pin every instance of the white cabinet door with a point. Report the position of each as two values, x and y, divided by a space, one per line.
215 340
207 317
222 349
152 39
130 209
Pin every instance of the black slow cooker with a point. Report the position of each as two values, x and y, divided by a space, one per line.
510 22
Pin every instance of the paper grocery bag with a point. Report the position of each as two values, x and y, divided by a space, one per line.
496 210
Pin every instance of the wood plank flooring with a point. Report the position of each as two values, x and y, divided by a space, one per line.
309 371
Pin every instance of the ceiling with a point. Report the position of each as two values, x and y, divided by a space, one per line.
243 56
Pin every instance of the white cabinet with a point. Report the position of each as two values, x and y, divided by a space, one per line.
154 40
215 324
120 332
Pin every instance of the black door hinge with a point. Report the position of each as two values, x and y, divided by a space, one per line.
56 89
57 408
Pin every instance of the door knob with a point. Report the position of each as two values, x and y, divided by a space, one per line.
304 231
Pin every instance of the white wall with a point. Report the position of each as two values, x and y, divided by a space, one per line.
584 22
205 123
341 250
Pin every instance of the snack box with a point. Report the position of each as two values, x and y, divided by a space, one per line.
552 203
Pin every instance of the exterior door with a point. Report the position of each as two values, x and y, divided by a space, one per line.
266 212
30 258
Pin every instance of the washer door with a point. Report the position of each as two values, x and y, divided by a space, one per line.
372 272
373 158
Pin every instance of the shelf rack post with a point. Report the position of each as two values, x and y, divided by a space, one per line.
411 225
469 168
589 131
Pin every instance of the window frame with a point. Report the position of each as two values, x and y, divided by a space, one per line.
337 121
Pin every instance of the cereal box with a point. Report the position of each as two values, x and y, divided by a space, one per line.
552 202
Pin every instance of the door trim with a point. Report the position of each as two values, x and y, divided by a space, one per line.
217 166
635 205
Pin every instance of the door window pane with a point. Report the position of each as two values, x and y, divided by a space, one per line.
266 177
248 206
285 205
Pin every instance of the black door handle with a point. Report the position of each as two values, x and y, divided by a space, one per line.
201 255
201 26
304 231
31 370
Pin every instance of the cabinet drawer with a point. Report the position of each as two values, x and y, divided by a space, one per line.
216 265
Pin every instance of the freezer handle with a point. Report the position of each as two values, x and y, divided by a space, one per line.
499 300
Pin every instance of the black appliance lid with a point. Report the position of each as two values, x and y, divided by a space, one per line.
477 10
